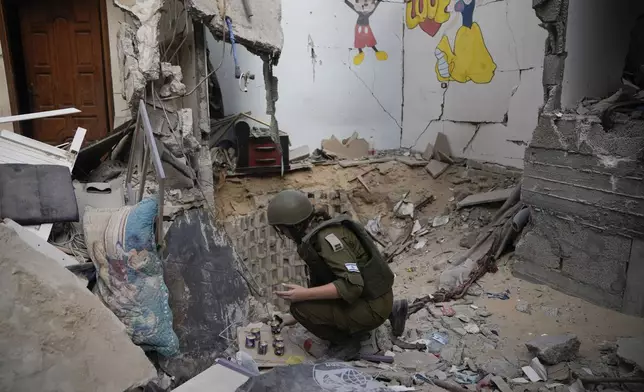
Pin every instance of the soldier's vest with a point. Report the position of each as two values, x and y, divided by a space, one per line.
376 274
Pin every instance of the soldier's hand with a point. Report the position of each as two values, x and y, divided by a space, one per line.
295 293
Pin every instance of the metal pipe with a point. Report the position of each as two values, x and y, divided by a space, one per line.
520 220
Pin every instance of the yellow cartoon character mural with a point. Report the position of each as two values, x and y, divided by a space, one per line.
470 59
364 37
428 14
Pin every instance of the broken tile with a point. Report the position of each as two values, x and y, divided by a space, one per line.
428 154
353 149
436 168
532 375
411 162
441 145
299 153
539 368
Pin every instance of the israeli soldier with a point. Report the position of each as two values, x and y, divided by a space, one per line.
350 291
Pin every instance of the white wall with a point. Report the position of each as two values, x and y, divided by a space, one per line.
5 105
473 116
329 94
597 39
116 16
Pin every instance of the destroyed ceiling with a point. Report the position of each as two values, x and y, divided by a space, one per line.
256 24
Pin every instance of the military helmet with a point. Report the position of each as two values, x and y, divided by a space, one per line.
289 207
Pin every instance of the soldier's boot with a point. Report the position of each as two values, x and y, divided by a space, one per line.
398 317
347 350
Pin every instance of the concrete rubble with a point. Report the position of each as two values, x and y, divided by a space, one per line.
554 349
55 334
450 229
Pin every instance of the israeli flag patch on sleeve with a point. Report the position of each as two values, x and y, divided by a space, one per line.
352 267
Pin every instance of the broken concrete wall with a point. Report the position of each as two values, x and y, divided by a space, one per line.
487 98
583 178
595 56
585 185
257 28
321 90
55 335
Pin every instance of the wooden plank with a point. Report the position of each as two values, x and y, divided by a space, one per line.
436 168
486 197
369 170
634 295
349 163
411 162
33 116
361 180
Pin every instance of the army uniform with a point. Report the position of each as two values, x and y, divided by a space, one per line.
339 251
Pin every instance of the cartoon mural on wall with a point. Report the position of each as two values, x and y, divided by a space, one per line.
469 60
364 37
428 14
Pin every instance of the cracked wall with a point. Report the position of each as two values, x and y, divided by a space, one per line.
5 105
487 119
321 91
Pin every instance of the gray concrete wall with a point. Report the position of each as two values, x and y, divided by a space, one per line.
585 182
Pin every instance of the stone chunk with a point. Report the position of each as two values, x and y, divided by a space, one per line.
436 168
56 335
554 349
524 307
417 361
631 350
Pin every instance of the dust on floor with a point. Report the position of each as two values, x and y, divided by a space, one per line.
417 270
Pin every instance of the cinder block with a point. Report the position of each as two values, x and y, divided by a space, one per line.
590 163
558 281
553 68
586 255
603 200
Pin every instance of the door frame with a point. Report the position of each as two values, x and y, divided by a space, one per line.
107 65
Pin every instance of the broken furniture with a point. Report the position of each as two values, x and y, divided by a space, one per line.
37 194
140 157
15 148
34 116
257 151
99 195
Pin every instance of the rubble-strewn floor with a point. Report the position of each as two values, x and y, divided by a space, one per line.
543 310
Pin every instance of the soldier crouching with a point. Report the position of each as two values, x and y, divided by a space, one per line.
351 284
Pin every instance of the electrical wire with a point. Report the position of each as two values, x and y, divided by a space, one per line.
221 61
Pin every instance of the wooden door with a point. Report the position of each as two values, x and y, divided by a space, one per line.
65 67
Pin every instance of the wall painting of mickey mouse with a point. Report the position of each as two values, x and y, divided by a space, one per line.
364 37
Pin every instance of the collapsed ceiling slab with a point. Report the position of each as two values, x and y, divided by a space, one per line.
257 25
